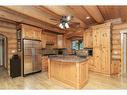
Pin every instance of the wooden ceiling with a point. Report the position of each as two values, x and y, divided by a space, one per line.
41 15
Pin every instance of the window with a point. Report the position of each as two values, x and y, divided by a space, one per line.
77 44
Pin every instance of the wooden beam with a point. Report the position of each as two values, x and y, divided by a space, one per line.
95 13
7 24
32 12
49 12
8 30
20 18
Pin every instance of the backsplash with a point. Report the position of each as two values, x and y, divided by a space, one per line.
81 52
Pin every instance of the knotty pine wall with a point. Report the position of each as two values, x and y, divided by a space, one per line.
116 47
9 30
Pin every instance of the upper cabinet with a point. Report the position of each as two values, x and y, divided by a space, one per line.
31 32
49 39
88 38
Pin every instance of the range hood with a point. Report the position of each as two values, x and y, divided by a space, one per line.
49 42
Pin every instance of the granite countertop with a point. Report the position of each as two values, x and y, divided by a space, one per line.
68 58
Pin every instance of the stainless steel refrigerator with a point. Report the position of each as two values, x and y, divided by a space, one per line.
31 56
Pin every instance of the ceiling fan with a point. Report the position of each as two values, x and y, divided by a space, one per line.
65 22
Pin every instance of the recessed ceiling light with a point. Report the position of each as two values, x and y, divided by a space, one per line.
87 17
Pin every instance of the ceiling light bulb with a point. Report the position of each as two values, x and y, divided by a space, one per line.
61 26
68 18
87 17
66 25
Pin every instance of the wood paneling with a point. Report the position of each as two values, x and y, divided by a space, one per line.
77 10
9 31
47 11
32 11
110 12
95 13
12 15
116 48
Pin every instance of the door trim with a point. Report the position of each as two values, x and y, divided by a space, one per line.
124 31
5 51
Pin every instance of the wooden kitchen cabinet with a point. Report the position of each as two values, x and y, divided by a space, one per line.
115 66
31 32
90 64
88 38
102 48
45 63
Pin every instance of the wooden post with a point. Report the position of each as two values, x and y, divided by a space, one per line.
49 71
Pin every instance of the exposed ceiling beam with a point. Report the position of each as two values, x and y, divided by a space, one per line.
32 12
95 13
49 12
20 18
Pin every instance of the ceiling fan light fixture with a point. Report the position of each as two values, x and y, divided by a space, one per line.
87 17
68 18
61 26
66 25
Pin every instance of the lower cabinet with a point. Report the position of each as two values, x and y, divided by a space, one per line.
91 65
115 66
45 63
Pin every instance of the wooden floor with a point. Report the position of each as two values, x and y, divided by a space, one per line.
41 81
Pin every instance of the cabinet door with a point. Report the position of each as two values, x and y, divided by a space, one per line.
37 34
91 64
27 32
88 38
105 51
105 38
96 38
105 61
31 32
97 59
88 41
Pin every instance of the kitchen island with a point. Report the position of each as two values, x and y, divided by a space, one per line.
71 70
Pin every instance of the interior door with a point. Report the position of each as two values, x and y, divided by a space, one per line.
1 53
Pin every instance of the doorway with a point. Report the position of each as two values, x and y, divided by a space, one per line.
124 52
3 52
